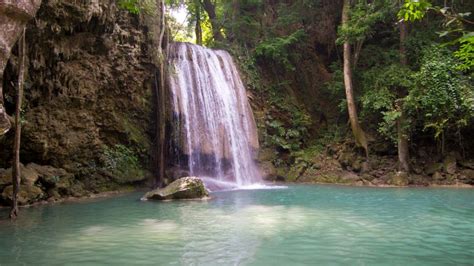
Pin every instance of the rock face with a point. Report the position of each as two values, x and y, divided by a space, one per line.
40 182
89 89
183 188
13 18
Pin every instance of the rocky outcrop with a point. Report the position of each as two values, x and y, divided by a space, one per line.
13 17
343 164
40 182
183 188
27 194
89 97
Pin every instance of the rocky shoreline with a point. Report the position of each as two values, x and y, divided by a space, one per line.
344 164
46 184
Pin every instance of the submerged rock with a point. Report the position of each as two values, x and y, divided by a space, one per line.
183 188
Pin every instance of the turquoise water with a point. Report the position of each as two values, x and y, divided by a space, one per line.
300 225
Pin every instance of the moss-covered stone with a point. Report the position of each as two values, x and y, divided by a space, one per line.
399 179
26 195
183 188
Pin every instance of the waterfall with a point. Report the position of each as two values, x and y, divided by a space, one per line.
213 125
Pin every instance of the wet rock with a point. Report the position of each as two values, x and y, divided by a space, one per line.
297 170
449 164
176 172
418 180
268 171
399 179
183 188
26 195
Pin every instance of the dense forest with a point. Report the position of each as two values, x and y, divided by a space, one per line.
236 132
382 89
376 93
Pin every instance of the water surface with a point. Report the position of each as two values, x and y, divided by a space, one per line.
295 226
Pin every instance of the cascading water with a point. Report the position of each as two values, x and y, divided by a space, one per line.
214 127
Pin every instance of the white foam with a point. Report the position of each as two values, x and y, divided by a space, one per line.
215 185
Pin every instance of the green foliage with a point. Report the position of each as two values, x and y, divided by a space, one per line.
362 18
133 6
138 6
382 85
122 161
421 37
278 48
287 125
332 134
413 10
466 52
441 97
288 137
248 65
335 86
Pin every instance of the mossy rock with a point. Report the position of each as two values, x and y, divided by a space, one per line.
183 188
296 171
26 195
399 179
5 177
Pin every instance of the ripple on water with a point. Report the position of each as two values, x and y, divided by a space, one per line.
297 225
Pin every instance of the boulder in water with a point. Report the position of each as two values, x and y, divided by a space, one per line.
183 188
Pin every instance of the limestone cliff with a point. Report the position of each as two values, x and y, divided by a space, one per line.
89 94
13 17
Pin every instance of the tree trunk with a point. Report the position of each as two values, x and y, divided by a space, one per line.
211 12
162 99
359 134
13 17
198 29
16 146
234 14
403 149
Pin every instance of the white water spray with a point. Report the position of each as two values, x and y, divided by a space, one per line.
214 125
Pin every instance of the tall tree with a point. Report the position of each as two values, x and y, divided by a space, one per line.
162 95
198 28
210 9
359 134
16 146
402 134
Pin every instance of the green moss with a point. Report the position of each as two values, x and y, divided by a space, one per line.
123 164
